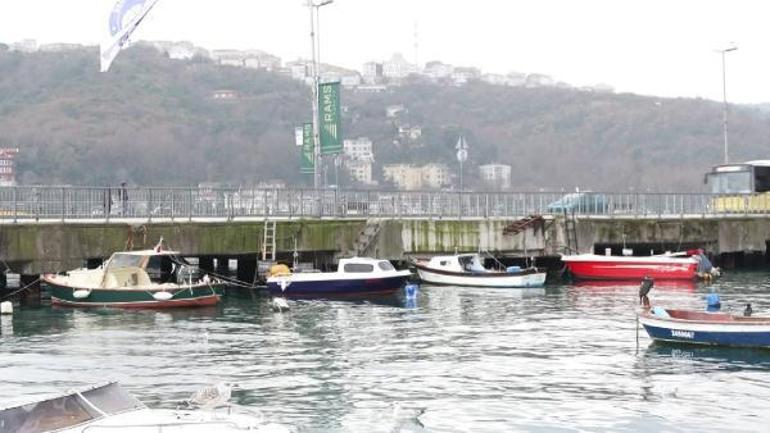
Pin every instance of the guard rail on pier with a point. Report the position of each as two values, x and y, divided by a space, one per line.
40 203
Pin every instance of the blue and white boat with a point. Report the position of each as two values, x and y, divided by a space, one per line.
705 328
357 276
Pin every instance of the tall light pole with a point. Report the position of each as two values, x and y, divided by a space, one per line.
316 49
724 95
462 155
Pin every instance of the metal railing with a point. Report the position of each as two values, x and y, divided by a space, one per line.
37 203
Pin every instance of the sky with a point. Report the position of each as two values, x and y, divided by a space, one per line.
652 47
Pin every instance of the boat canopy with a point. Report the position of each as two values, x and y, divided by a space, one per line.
458 263
68 410
363 265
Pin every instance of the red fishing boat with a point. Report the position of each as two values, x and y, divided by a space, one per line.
671 266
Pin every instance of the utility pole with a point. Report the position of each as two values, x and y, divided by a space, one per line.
724 95
315 70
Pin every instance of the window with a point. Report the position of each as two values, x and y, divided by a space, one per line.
730 182
358 268
386 266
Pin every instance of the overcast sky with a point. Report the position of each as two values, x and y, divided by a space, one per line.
653 47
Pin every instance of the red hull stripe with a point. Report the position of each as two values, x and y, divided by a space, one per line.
202 301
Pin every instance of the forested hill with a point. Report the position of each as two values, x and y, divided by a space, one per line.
152 120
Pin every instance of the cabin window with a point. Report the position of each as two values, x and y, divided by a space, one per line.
443 263
386 266
126 261
358 267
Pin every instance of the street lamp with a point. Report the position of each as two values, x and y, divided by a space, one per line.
724 95
316 50
462 155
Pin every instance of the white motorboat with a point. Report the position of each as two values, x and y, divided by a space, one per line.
108 408
467 270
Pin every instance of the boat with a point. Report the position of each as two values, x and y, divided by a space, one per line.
107 407
706 328
688 265
356 276
467 270
154 278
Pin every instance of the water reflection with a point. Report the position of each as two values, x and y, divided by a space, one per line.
563 357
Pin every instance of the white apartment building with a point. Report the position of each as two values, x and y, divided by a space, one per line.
496 176
372 73
398 67
410 177
359 158
358 149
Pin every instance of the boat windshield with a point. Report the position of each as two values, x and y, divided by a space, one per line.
386 265
67 411
126 261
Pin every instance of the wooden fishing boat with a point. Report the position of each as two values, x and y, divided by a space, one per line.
705 328
467 270
357 276
136 279
108 407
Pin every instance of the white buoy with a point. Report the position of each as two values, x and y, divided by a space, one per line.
6 308
81 294
280 305
162 296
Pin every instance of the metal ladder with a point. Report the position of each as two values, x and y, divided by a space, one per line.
268 241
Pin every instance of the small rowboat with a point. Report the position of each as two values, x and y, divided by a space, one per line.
714 329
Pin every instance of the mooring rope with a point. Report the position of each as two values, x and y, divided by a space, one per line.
19 290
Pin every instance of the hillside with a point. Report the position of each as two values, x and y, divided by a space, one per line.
155 121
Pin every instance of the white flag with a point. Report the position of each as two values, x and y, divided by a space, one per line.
124 19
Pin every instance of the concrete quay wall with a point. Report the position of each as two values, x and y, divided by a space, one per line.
33 248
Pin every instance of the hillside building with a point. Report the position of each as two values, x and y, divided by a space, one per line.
358 159
8 166
410 177
496 176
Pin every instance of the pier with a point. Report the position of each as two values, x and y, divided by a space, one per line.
53 229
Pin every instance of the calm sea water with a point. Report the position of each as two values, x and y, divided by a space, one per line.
560 359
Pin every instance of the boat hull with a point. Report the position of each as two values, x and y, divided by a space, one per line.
599 269
197 296
756 335
488 280
323 287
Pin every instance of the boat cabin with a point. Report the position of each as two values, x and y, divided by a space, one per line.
70 410
364 265
459 263
136 269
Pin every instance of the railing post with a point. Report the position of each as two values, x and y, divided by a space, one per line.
63 204
15 204
190 213
173 196
149 205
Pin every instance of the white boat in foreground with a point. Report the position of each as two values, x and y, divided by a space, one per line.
467 270
108 408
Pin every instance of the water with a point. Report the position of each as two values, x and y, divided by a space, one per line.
560 359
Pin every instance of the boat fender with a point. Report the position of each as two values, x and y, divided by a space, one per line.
410 291
660 312
6 307
162 296
513 269
713 303
81 294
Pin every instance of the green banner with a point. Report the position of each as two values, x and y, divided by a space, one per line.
306 161
330 118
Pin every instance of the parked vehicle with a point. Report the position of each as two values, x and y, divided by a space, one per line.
580 202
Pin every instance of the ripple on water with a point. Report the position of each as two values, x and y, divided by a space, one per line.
563 359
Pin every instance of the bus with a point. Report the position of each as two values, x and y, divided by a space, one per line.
742 187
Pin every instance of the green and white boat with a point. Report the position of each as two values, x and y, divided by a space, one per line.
136 279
